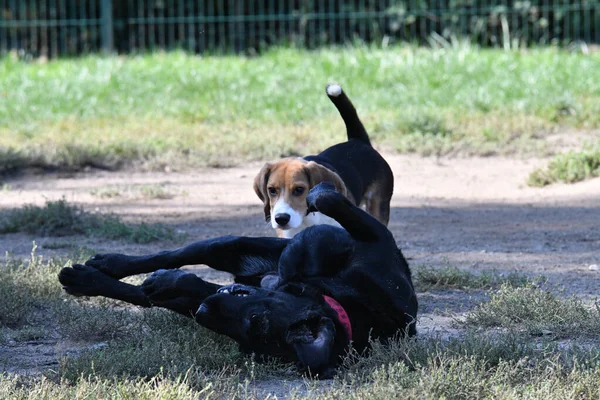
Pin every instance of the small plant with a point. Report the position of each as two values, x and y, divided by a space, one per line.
59 218
538 312
427 125
107 193
449 277
568 168
154 191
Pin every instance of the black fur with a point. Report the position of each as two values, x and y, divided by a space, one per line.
361 267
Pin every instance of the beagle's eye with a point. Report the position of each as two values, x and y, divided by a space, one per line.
298 191
272 191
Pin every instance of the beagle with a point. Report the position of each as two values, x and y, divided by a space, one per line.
356 169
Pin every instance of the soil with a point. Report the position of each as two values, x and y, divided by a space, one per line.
474 213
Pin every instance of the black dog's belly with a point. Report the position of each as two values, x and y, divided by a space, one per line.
320 250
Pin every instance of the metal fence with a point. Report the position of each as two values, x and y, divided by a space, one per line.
53 28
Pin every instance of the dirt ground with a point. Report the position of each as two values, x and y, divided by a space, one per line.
474 213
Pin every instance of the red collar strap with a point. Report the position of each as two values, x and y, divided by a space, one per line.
342 315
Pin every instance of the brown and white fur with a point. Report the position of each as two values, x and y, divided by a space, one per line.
355 168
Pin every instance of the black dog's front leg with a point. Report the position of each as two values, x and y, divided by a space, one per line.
238 255
166 285
358 223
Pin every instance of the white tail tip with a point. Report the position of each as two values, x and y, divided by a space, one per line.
334 90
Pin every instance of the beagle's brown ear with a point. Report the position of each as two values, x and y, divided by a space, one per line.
318 173
260 188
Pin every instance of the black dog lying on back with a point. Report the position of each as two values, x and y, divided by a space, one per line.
303 299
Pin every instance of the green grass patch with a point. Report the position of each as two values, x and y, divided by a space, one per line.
180 110
571 167
449 277
538 312
59 218
147 192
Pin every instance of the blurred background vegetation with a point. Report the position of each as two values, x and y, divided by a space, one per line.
71 27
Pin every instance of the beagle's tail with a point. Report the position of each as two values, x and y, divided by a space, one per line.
354 128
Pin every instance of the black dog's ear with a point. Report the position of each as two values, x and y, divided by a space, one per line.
312 340
260 188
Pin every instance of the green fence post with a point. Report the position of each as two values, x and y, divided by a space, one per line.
106 28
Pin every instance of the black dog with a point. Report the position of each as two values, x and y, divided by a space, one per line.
322 290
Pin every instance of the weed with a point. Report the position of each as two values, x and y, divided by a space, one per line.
23 334
502 365
155 191
59 218
26 286
449 277
193 384
538 312
571 167
58 244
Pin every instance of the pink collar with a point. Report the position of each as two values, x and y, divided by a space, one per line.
342 315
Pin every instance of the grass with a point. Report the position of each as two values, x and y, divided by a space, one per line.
177 110
135 345
147 192
537 312
571 167
59 218
449 277
152 354
28 285
471 368
158 387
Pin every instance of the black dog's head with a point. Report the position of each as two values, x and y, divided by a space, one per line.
276 323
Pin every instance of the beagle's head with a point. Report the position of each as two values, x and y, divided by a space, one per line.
282 186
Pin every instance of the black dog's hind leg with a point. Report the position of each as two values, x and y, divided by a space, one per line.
82 280
179 291
359 224
164 285
238 255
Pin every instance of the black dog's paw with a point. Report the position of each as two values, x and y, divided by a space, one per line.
317 194
83 280
113 265
270 281
161 286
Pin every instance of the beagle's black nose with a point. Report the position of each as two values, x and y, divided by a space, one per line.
282 219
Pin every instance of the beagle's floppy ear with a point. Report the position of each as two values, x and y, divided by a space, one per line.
318 173
260 188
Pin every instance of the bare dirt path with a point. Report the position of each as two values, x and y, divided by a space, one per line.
474 213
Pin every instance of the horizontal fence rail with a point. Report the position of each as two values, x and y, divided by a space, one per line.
50 28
